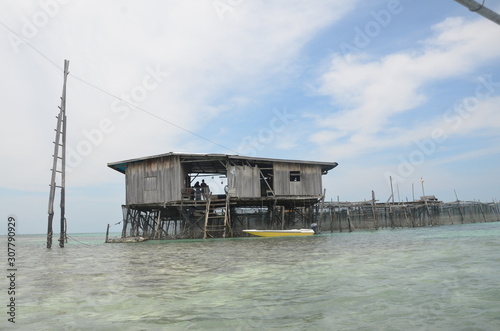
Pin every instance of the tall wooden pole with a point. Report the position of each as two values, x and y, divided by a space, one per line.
60 141
322 206
392 191
62 236
480 9
374 211
53 181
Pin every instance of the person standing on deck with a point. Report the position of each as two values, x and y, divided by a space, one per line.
204 189
197 193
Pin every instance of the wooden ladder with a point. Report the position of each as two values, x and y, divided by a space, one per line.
215 218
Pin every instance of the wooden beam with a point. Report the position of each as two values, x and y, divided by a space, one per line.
481 10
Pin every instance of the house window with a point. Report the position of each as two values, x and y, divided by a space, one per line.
151 183
295 176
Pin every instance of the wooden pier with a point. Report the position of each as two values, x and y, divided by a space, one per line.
209 219
368 215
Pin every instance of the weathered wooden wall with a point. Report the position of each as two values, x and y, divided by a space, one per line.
308 185
154 181
244 181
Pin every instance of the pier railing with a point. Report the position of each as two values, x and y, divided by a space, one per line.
347 216
193 218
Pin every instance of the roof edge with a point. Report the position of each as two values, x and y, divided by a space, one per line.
121 165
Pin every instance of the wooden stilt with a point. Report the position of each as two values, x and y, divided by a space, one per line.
158 225
351 228
374 211
107 234
482 211
321 207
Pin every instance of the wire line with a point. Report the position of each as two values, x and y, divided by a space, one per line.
151 114
112 95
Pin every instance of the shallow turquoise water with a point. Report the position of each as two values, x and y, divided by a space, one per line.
437 278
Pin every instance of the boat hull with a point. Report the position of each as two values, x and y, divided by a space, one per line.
280 233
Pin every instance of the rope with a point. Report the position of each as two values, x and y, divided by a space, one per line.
77 240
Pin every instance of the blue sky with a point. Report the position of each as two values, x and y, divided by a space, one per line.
402 89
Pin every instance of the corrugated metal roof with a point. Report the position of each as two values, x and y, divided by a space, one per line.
210 163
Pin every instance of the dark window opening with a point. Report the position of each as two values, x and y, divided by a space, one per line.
295 176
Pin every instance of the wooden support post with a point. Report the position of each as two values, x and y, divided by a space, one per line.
145 224
321 207
482 211
392 191
374 211
391 216
158 226
495 210
167 226
207 213
133 223
351 227
471 214
459 208
284 217
340 220
405 210
107 234
428 212
125 213
331 218
228 229
272 214
339 213
412 216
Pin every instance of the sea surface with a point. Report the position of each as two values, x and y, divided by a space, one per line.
434 278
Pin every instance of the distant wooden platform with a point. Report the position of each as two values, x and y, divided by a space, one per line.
126 240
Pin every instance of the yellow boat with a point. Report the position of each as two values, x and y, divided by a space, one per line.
280 233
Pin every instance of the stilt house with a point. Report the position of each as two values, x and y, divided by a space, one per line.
164 201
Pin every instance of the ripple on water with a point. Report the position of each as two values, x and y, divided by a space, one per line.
434 278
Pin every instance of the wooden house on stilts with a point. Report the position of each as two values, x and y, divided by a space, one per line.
163 200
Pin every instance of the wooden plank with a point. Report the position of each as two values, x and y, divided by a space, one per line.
244 181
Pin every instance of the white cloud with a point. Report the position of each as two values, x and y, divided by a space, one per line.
369 93
213 66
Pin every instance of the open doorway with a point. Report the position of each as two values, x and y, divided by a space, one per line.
201 186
